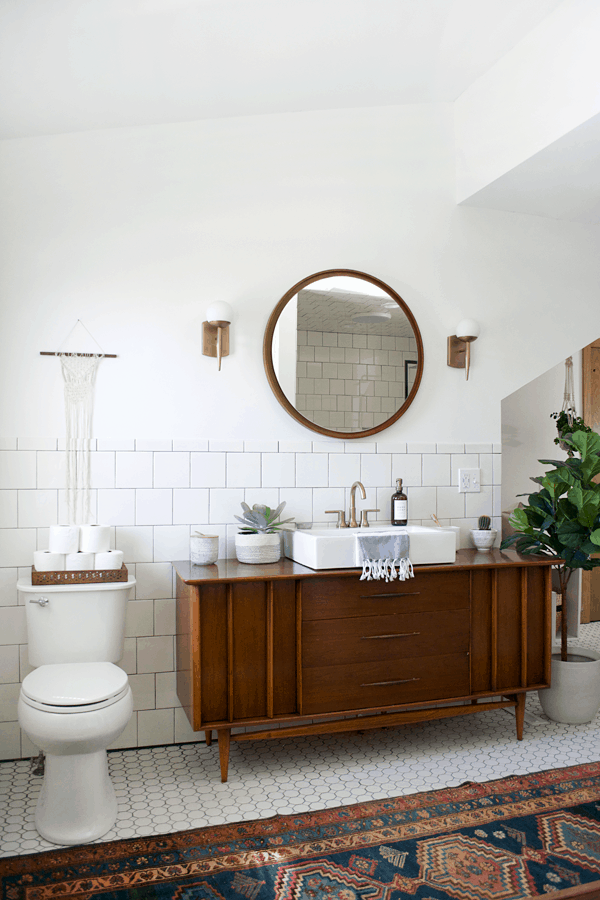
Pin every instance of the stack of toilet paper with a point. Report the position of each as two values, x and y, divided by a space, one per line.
75 548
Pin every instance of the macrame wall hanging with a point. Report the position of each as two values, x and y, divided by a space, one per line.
79 375
568 406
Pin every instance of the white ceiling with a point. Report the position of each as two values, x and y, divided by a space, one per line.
72 65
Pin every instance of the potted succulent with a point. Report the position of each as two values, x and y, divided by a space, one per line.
562 520
484 535
259 541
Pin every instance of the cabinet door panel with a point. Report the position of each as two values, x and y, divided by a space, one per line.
330 598
249 644
213 653
369 638
364 685
284 648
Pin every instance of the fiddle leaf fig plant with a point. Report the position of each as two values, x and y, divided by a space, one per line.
562 519
261 519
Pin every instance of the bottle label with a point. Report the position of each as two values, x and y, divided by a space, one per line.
400 509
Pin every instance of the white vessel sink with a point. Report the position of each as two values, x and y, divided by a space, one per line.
337 548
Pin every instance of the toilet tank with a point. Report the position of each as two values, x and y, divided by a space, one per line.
82 623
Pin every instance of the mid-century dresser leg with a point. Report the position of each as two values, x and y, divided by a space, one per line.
224 735
520 714
208 738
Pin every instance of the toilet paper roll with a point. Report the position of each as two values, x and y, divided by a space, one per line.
63 539
45 561
94 538
112 559
75 562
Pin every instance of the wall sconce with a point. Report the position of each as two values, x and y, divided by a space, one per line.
459 345
215 331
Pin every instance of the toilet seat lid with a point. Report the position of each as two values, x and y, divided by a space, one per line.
74 684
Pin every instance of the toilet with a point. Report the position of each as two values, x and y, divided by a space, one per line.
76 702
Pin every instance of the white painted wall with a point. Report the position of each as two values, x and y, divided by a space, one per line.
543 88
136 230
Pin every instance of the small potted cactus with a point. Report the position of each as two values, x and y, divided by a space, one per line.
259 541
484 535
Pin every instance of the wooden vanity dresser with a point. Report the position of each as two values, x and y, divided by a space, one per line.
284 645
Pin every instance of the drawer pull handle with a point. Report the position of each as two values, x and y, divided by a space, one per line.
386 596
376 637
380 683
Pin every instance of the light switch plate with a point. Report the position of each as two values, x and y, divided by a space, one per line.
469 481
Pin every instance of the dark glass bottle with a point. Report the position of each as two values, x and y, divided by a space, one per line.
399 505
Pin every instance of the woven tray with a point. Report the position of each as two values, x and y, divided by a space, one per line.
83 576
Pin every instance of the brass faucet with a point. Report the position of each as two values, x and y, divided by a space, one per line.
353 523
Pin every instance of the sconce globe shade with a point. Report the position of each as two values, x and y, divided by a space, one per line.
467 330
219 311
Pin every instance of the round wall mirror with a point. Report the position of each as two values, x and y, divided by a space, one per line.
343 353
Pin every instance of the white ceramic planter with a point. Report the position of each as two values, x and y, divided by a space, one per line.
574 695
483 539
258 548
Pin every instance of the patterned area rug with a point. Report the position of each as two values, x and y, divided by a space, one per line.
516 837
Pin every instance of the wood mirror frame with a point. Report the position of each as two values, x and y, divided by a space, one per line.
270 369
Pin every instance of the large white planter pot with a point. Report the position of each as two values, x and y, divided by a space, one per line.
574 695
258 548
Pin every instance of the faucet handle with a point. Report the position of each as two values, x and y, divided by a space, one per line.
341 522
364 522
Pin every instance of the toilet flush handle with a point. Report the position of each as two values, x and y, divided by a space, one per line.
43 601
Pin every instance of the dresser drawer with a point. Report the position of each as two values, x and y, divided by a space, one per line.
384 683
371 638
331 598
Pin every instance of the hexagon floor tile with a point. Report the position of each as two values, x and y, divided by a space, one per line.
165 789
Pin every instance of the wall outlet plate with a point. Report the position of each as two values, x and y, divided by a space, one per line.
469 481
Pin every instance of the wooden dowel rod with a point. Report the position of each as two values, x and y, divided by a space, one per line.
56 353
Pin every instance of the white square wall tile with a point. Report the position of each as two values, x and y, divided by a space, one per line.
136 542
183 730
8 509
9 696
143 690
171 542
450 448
278 470
479 448
261 446
116 507
299 504
344 469
102 466
17 546
37 442
171 470
115 444
133 470
10 740
139 618
263 496
166 691
8 443
450 504
154 580
327 498
164 616
497 468
128 661
226 446
421 447
9 663
486 466
190 505
408 467
208 470
295 446
13 629
480 504
17 469
37 509
155 654
312 470
128 737
154 507
243 470
8 586
376 469
436 469
51 469
224 504
155 727
422 502
360 447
